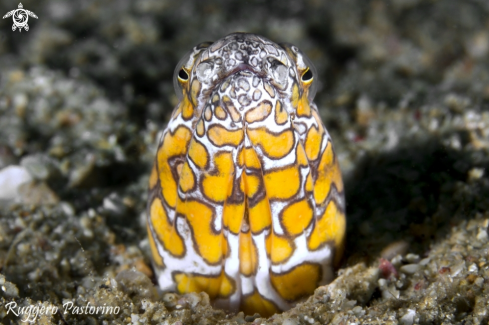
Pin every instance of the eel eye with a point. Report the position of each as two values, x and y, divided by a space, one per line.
183 75
307 76
180 74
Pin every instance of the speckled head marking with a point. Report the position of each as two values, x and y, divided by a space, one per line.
246 197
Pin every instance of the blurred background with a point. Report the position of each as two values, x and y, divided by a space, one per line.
391 49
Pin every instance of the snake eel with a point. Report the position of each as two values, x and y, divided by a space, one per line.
246 200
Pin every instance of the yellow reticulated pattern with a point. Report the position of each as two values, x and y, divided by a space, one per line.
165 233
247 255
283 184
245 196
274 146
200 217
297 216
281 116
291 285
260 216
221 286
215 184
173 146
256 303
198 154
220 136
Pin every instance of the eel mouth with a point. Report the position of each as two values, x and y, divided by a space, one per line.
245 67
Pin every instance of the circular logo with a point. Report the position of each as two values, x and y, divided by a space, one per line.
20 18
